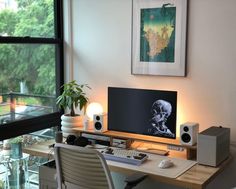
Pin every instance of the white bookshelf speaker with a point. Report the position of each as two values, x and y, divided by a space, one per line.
188 133
100 122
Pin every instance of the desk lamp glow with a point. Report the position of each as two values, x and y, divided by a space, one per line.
93 108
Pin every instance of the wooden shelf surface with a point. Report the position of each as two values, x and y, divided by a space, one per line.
145 138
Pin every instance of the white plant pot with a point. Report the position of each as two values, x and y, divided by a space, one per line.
69 123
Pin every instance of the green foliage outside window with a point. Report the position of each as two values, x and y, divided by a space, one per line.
33 64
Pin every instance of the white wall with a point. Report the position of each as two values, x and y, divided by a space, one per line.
100 47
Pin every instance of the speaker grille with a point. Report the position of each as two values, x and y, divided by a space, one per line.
186 137
186 129
98 126
98 118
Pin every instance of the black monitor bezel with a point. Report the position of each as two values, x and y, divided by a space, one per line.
146 90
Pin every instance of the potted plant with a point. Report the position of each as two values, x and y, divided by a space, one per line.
16 147
73 96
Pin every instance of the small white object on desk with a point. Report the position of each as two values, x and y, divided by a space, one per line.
165 163
86 123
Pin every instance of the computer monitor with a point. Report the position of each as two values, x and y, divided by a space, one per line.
142 111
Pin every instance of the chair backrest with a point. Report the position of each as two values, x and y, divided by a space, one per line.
81 168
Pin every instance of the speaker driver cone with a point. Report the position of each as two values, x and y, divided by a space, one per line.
186 137
98 126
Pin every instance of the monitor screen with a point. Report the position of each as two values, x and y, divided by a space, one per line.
141 111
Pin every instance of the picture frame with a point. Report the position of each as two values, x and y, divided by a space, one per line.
159 37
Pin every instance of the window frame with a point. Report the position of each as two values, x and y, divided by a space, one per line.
25 126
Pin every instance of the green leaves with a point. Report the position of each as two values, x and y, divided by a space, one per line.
8 22
73 96
32 63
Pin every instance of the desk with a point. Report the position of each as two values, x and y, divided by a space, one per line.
196 177
40 149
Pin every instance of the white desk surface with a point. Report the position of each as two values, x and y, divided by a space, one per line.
197 177
150 166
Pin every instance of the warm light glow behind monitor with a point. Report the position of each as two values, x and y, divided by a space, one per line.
141 111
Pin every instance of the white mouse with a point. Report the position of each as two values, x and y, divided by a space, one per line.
165 163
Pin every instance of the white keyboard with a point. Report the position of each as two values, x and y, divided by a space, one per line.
125 156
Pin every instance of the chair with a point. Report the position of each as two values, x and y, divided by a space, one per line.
84 168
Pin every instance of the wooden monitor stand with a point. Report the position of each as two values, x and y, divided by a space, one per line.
168 143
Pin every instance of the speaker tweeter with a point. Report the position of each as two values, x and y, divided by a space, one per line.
100 122
188 133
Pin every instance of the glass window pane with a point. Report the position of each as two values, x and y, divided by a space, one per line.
33 18
34 162
27 81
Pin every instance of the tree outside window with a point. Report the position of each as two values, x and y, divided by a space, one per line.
30 58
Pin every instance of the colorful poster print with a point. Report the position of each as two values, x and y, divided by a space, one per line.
157 39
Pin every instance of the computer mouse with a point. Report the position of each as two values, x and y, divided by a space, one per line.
165 163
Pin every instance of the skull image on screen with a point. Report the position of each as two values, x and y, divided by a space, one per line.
160 111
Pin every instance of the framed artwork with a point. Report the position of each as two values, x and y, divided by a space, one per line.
159 37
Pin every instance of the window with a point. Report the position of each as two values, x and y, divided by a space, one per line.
31 65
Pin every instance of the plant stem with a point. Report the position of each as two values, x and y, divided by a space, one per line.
72 112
